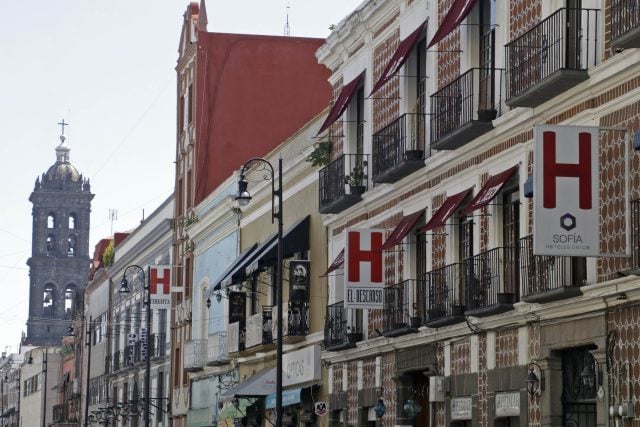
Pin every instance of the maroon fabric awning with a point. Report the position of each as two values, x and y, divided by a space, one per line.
399 58
456 14
341 102
402 229
336 264
446 210
486 194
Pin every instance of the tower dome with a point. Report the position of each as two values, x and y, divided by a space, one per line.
62 170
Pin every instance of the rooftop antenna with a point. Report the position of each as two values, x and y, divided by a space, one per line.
287 30
113 216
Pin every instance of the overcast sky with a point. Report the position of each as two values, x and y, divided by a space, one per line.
107 68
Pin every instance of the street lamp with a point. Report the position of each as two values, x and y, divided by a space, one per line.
44 385
124 289
243 198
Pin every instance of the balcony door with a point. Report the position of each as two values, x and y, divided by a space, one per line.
574 34
487 60
510 239
469 283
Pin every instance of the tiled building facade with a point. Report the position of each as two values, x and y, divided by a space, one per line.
476 312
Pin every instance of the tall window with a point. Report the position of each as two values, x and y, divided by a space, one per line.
51 245
71 245
72 221
190 102
51 220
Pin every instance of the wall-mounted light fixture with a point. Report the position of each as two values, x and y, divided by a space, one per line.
591 375
535 382
380 409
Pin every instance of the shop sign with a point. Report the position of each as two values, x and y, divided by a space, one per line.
160 286
566 211
461 408
299 280
364 282
289 397
301 366
508 404
320 408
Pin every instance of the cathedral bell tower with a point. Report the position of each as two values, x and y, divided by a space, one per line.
59 262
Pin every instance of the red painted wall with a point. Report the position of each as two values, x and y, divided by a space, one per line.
252 93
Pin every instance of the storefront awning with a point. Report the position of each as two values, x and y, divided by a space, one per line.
289 397
341 102
399 57
490 189
238 273
294 240
260 385
456 14
402 229
336 264
234 264
446 210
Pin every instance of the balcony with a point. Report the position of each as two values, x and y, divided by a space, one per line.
399 148
158 346
464 109
446 302
491 281
343 327
259 335
217 349
549 278
195 355
552 57
625 24
59 413
296 326
342 183
116 361
235 338
402 314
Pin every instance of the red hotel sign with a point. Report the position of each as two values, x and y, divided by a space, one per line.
160 286
566 214
364 274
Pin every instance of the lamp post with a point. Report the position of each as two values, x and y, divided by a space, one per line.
44 385
124 289
243 198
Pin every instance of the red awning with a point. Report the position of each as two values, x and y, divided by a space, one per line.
446 210
341 103
398 58
456 14
336 264
486 194
402 229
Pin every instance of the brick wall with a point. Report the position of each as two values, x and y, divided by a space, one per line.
336 130
506 348
523 14
533 350
386 101
461 357
448 50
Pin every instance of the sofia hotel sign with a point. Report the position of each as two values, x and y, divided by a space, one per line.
566 175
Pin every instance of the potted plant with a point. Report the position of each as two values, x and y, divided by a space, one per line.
321 154
357 178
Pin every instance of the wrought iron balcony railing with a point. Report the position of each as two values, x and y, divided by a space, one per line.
551 57
464 109
342 182
446 302
548 278
158 345
625 23
297 324
217 349
59 412
402 311
343 327
195 355
399 148
491 281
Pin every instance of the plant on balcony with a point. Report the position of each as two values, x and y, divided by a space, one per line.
321 154
357 178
